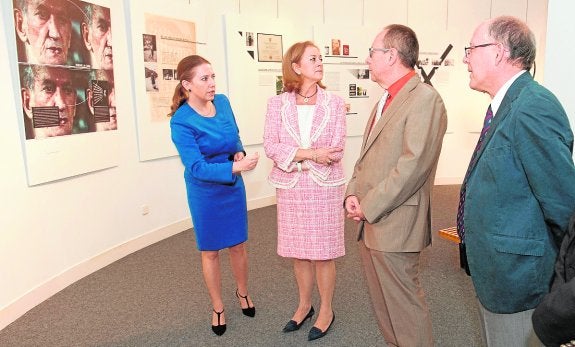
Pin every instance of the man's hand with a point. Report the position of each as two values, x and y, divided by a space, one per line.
353 209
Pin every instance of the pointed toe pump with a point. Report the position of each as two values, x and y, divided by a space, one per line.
250 311
316 333
292 325
219 329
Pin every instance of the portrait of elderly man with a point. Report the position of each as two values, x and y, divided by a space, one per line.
48 100
97 35
43 30
101 100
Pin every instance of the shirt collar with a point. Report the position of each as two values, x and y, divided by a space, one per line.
397 85
498 98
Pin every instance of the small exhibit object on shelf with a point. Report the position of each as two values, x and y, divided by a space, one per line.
345 49
335 46
352 90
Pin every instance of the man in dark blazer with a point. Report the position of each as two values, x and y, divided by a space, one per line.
519 191
389 194
554 318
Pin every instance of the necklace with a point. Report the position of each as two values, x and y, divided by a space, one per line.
306 98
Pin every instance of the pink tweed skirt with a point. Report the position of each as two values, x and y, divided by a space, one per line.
310 221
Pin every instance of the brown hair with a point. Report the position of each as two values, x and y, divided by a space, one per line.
291 80
403 39
185 72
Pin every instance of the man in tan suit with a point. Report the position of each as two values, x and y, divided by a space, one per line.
389 194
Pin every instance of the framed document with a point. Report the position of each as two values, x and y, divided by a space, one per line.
270 48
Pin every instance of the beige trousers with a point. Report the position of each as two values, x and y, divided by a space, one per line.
397 297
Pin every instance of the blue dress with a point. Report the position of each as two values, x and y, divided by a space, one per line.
216 197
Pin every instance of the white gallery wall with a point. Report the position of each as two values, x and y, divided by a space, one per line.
55 233
559 76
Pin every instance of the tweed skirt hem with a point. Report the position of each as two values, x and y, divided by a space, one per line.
310 221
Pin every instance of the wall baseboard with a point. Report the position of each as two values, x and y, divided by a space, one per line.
44 291
41 293
261 202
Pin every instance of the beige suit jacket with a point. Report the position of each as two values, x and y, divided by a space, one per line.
394 174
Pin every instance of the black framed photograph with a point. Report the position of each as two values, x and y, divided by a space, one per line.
270 48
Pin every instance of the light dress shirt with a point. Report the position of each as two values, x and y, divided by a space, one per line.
498 98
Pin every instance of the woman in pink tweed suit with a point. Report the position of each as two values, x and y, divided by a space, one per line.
305 135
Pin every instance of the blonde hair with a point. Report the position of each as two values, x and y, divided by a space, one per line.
185 72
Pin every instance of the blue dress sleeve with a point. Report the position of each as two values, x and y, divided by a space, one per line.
195 164
239 145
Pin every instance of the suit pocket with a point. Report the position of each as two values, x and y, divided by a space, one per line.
403 212
519 246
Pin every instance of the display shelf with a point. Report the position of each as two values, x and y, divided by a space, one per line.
341 56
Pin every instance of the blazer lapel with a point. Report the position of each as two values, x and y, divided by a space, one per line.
503 110
389 113
367 129
289 116
321 114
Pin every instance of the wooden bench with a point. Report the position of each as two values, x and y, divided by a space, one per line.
450 234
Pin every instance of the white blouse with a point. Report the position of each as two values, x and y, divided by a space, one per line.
305 120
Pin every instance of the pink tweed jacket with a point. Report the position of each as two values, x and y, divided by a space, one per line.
282 139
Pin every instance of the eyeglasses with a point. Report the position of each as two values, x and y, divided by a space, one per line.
371 50
468 49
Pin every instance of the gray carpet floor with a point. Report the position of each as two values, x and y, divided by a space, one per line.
156 297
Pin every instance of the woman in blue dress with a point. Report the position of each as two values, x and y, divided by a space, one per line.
206 136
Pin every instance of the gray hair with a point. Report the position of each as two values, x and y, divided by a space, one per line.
27 75
21 4
87 9
516 36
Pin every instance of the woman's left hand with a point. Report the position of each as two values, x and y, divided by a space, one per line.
327 155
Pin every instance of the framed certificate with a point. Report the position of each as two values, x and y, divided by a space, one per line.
270 48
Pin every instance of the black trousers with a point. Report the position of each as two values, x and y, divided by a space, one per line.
463 259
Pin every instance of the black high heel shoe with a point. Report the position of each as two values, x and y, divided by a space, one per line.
219 329
316 333
250 311
292 325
